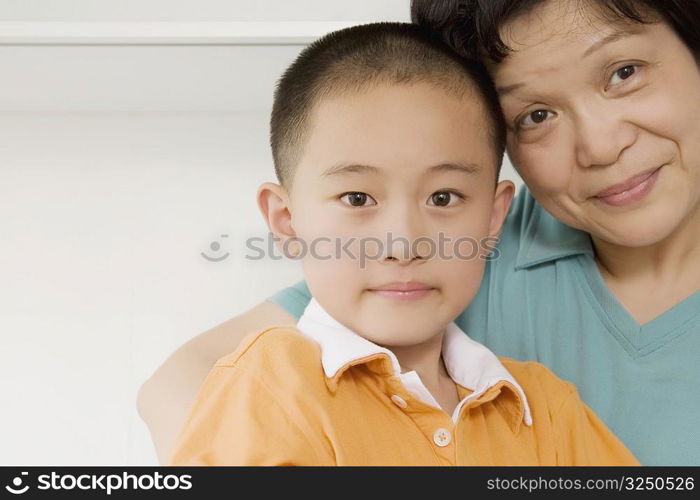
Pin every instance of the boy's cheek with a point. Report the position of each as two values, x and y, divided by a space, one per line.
461 282
337 284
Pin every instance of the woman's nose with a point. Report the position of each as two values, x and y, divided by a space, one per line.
601 137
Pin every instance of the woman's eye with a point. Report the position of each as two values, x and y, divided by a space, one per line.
534 118
623 74
357 199
444 198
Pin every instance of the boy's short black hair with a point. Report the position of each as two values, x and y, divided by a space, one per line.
353 59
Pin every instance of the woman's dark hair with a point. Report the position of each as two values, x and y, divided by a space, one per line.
471 27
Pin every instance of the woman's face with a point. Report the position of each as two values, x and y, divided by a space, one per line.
604 121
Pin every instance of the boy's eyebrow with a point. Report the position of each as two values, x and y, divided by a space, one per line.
468 168
344 168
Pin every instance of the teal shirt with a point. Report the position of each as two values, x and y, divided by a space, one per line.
542 298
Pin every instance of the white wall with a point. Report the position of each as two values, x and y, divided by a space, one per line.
104 218
203 10
119 164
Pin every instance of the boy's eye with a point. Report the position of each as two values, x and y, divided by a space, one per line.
357 199
444 198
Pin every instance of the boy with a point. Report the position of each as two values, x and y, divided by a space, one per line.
387 147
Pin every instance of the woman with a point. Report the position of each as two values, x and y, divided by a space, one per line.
598 269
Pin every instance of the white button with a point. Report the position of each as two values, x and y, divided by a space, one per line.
442 437
399 401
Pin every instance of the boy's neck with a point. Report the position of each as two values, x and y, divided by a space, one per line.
425 359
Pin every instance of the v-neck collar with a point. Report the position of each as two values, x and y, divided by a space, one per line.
638 340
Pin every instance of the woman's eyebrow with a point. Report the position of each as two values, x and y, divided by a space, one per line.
502 91
612 37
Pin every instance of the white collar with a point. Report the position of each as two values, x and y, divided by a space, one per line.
469 363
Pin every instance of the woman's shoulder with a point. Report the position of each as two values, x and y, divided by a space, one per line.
532 236
488 317
293 299
517 228
521 223
523 209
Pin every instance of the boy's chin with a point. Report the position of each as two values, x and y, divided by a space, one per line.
400 333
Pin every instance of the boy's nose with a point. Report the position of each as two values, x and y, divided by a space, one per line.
405 250
404 261
406 240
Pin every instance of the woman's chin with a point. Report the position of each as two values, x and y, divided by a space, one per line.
640 230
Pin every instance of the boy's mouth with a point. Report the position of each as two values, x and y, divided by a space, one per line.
403 290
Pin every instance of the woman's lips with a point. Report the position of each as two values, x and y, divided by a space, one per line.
411 290
633 189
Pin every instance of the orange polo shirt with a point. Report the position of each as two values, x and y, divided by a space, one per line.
279 400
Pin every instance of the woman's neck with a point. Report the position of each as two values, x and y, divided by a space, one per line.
650 280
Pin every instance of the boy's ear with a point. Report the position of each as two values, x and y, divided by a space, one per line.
505 191
273 201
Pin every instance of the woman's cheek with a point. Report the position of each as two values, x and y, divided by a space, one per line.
679 121
545 169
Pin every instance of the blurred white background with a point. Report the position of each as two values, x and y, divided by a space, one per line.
133 135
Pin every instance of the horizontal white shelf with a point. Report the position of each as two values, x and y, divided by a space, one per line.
165 33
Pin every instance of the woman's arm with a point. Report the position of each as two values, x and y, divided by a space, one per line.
165 398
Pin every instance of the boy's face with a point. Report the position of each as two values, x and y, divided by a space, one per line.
404 162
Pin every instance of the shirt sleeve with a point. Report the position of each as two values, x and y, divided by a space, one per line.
293 299
583 439
236 420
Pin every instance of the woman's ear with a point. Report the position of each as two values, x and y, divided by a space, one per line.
273 202
505 191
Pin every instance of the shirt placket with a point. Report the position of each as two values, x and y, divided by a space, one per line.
434 424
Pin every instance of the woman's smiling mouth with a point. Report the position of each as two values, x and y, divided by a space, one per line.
630 191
